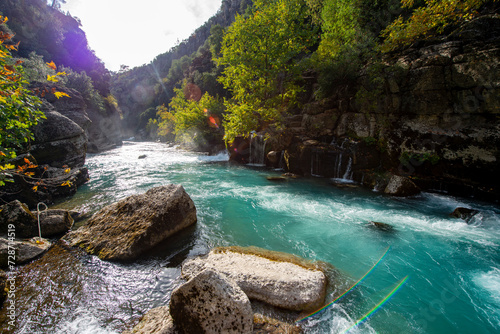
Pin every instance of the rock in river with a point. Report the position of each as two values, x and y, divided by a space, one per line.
211 303
128 228
269 279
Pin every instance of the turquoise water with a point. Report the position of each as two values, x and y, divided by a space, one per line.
453 267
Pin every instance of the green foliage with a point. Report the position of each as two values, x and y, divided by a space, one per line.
431 18
84 84
190 120
262 56
18 106
56 36
408 157
166 126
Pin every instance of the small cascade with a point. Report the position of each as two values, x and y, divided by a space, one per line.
250 156
343 161
281 164
348 171
257 150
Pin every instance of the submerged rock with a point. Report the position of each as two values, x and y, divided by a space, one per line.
464 213
382 226
274 281
211 302
25 251
401 186
128 228
155 321
276 178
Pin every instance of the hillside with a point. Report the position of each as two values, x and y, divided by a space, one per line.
334 90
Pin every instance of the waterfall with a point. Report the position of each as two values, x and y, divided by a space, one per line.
343 161
250 156
348 170
257 155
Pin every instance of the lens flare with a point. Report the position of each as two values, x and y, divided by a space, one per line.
349 290
378 306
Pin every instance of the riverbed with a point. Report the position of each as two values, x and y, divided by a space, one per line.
453 267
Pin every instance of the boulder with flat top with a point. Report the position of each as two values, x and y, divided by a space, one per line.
266 277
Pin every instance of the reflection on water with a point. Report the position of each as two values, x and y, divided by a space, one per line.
453 266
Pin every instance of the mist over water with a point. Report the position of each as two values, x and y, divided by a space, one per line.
453 267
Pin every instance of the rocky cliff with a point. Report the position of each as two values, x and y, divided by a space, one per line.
430 113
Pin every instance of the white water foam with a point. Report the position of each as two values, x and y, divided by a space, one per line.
83 324
490 282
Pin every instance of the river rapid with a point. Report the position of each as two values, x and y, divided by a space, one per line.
453 267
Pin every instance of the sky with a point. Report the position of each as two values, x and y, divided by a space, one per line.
134 32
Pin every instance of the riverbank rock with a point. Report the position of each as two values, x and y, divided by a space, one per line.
58 140
25 251
267 277
54 222
21 220
3 287
24 223
401 186
128 228
155 321
211 302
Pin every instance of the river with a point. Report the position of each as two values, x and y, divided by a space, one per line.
453 268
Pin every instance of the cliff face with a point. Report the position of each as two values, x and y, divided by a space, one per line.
431 113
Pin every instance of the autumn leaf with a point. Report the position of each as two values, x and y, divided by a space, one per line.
52 65
67 170
27 161
61 94
52 78
66 183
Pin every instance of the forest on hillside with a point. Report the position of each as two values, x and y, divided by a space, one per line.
250 74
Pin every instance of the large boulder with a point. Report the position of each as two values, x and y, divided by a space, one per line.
59 141
128 228
401 186
211 303
155 321
274 281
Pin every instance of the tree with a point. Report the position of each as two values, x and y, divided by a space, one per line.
431 18
191 119
263 59
18 105
57 3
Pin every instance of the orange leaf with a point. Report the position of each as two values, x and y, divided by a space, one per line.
27 161
52 65
35 188
60 94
